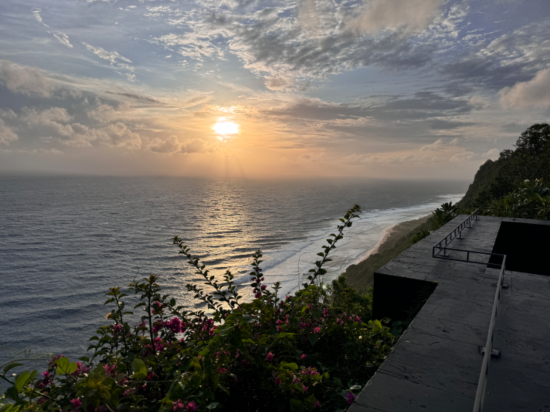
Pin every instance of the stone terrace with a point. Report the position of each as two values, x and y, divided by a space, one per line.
435 365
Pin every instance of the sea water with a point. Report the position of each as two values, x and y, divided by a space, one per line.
65 240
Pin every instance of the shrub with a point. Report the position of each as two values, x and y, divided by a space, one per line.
306 352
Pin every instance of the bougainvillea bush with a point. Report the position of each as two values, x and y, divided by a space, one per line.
306 352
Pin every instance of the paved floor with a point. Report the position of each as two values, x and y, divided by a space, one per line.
436 363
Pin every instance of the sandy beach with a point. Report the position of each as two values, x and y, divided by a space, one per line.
393 241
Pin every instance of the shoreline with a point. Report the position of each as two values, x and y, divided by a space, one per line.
394 240
385 236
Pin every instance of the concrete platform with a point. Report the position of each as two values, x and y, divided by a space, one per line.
436 363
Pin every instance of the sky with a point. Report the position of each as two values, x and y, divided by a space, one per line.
400 89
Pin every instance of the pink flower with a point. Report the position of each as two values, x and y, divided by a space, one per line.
258 295
316 330
278 328
76 403
222 370
177 405
304 387
109 370
277 381
122 381
317 404
150 376
270 357
192 407
350 398
304 356
128 392
52 362
264 287
244 363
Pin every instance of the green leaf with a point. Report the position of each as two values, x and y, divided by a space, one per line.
64 367
213 405
12 393
292 366
11 366
22 380
9 408
139 368
296 405
313 338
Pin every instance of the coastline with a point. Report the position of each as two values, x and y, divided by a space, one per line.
394 240
385 236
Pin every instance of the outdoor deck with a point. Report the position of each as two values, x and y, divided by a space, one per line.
435 365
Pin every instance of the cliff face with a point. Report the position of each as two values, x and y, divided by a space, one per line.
485 176
528 161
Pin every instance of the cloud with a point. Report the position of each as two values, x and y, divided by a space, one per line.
7 134
134 96
420 106
437 145
193 146
107 55
469 156
119 135
510 58
36 13
25 80
190 45
63 39
532 93
116 60
169 145
411 15
386 159
57 125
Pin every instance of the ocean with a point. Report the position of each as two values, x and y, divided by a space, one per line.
65 240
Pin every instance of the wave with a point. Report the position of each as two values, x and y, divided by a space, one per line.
289 263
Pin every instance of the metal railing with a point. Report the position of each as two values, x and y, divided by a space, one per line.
482 382
456 232
487 351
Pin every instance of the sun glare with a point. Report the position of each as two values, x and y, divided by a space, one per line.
224 128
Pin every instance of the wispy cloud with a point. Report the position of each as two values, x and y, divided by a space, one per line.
63 39
116 60
38 17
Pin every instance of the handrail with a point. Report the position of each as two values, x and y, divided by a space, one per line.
457 231
469 253
482 382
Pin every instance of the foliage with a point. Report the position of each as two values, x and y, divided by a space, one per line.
529 200
310 351
421 234
443 215
529 161
439 217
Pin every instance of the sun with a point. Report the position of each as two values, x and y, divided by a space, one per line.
225 129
